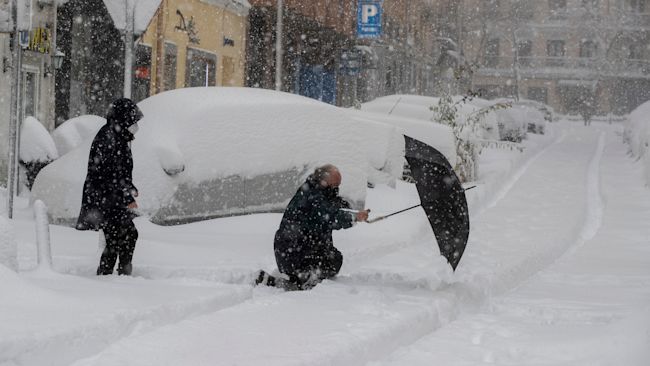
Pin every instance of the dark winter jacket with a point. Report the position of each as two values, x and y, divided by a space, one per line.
305 233
109 188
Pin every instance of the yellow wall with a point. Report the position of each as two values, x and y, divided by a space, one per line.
212 23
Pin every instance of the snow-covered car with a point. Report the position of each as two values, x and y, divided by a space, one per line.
210 152
535 114
416 107
75 131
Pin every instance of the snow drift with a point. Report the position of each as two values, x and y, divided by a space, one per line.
8 249
209 152
637 135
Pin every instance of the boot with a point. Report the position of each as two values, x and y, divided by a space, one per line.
125 270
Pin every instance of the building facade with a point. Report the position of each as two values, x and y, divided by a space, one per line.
177 43
192 43
37 70
574 55
320 39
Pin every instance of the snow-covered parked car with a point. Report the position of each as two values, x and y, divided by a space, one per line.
75 131
416 107
210 152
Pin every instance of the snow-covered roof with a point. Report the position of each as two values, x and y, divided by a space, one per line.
144 11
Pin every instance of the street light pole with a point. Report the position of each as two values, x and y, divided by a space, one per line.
278 47
14 111
128 47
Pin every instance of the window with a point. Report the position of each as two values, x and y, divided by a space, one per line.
201 69
557 5
169 72
639 6
590 4
588 49
538 94
556 51
525 52
492 53
30 93
635 52
142 72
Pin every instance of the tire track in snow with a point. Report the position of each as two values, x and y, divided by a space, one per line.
83 341
509 183
457 293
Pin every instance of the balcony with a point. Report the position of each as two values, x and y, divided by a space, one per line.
584 66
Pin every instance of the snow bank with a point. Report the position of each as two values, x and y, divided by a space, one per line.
637 135
8 248
36 144
205 152
73 132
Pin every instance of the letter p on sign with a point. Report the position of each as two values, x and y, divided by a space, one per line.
368 11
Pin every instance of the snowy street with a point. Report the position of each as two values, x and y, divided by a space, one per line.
556 272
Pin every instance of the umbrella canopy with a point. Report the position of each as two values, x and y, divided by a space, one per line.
442 196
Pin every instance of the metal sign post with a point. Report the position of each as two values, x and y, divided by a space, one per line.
369 14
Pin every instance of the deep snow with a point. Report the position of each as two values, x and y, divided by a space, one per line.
557 272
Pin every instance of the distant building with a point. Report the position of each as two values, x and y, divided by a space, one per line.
324 59
178 43
575 55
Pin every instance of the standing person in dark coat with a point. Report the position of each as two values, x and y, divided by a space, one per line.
304 249
109 194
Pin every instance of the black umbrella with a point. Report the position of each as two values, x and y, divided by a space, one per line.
442 197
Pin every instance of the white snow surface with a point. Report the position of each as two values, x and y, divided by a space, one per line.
36 144
637 135
556 273
8 245
74 131
206 134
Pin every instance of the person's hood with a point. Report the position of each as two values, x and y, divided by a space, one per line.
122 114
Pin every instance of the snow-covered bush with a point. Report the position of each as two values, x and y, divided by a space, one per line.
465 120
8 249
206 152
637 135
37 149
73 132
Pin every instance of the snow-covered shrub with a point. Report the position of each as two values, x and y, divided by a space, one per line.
461 115
37 149
73 132
637 135
8 249
206 152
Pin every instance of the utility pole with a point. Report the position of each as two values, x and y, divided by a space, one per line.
14 111
128 46
278 47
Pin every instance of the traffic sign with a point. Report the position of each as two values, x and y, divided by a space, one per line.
369 19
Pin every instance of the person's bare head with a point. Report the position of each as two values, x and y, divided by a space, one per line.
328 175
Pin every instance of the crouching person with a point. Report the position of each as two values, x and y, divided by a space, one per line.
303 246
109 194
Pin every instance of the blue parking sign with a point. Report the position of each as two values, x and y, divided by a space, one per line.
369 19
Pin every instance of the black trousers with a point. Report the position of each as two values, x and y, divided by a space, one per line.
306 268
120 237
